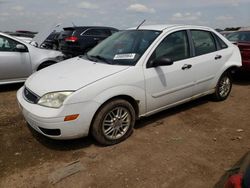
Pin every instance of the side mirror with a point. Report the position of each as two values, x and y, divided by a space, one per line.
162 61
21 48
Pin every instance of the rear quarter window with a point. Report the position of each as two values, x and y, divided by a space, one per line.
222 44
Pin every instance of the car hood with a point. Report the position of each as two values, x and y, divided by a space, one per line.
70 75
42 35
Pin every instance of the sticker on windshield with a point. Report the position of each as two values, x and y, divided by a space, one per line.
125 56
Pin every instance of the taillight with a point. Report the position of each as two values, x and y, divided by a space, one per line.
71 39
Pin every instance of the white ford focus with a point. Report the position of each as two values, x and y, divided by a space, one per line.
132 74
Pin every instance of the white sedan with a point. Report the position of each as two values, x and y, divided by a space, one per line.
132 74
18 59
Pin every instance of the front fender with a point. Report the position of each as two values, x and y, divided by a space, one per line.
36 65
138 94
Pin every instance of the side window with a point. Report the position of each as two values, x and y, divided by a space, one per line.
7 45
95 32
175 47
203 42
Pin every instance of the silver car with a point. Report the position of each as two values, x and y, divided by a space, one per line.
18 59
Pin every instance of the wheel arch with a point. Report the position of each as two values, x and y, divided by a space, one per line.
231 69
127 98
45 64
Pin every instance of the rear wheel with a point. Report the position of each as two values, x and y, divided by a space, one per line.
114 122
223 87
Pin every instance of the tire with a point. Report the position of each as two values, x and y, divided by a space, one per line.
223 87
114 122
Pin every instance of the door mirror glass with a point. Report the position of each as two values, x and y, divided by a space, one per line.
162 61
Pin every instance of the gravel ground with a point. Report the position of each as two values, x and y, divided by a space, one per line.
189 146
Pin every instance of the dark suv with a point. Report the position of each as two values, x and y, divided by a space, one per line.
75 41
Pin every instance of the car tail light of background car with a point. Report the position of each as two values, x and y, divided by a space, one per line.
71 39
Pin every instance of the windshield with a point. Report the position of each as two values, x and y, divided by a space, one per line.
123 48
239 36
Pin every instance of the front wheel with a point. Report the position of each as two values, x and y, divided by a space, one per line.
114 122
223 87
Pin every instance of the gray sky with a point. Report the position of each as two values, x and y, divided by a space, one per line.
36 14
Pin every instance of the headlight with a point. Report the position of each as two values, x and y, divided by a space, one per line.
54 100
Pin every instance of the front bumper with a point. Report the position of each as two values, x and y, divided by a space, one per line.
50 121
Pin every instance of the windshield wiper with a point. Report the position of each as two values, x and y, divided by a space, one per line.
88 57
103 59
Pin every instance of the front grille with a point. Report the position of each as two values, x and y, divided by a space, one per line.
30 96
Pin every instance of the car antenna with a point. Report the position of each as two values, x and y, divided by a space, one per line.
140 24
73 24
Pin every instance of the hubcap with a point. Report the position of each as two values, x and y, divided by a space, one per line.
116 123
224 87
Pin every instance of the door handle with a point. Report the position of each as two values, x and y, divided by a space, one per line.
186 66
217 57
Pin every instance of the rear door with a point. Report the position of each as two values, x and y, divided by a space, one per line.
209 59
13 64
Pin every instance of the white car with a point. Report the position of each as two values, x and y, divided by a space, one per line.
25 39
18 59
132 74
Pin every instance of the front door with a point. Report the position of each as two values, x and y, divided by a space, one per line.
167 85
13 64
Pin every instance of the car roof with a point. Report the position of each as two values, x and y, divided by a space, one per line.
168 27
9 36
242 31
87 27
15 38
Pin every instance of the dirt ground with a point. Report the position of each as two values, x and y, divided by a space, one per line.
190 146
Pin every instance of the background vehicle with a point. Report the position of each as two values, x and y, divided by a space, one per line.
74 41
25 36
226 33
242 40
20 33
131 74
25 39
18 59
51 41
